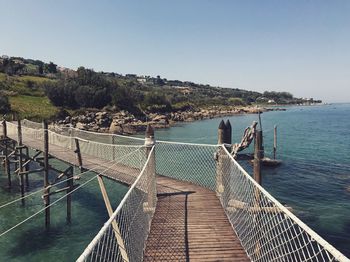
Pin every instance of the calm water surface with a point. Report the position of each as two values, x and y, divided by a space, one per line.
313 142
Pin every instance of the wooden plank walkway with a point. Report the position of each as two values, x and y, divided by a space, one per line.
189 223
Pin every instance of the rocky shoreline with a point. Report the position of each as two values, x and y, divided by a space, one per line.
123 122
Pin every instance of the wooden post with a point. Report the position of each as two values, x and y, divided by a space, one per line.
69 177
46 175
219 158
77 151
20 158
26 168
274 141
151 171
6 153
262 142
221 132
118 236
228 133
257 177
258 156
114 148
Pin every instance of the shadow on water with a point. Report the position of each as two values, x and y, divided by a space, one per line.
36 238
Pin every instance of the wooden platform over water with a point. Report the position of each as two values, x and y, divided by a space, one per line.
189 223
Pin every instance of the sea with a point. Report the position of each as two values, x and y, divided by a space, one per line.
313 143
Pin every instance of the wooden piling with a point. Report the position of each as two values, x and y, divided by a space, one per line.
69 184
151 171
6 153
77 151
46 175
26 166
258 156
257 177
219 158
228 133
274 141
221 133
20 158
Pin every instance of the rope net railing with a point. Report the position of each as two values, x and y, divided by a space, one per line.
123 237
267 230
93 154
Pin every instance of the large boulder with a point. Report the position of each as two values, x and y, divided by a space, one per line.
115 128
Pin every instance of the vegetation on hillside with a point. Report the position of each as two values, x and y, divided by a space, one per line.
40 90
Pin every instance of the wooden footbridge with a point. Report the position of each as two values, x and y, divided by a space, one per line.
186 202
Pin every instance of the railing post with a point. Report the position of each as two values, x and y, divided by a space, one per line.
77 151
220 158
46 175
258 156
274 141
151 170
20 158
6 153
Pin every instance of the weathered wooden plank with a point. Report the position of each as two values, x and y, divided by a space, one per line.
190 225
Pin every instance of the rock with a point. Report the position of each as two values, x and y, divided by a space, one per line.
101 115
115 128
80 125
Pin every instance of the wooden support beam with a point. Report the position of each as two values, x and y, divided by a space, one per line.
258 156
46 175
115 225
77 151
6 153
69 186
19 148
228 133
151 170
274 141
27 172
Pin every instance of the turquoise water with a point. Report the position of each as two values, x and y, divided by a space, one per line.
313 142
63 242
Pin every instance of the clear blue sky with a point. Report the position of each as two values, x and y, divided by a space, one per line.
301 46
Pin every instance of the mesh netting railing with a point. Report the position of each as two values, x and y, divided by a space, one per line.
92 153
123 236
267 230
193 163
106 138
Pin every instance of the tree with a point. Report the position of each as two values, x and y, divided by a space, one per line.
50 68
5 106
123 99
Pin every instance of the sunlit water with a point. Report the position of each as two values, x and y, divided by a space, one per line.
313 142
